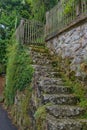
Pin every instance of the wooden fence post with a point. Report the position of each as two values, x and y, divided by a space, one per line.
47 26
78 8
21 32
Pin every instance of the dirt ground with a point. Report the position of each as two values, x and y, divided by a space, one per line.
2 83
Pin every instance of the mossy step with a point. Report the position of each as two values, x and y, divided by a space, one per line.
41 61
55 89
47 74
40 57
38 54
63 111
62 99
50 81
40 49
54 74
44 68
65 124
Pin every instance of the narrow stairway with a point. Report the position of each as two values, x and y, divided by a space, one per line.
63 113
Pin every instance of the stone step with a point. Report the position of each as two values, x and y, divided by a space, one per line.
62 114
50 81
61 99
43 68
55 89
43 61
65 124
63 111
47 74
53 74
39 55
40 58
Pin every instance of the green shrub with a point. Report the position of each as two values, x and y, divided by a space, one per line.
69 6
3 46
40 116
19 71
2 50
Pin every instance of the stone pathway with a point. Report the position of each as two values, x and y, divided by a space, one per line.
64 113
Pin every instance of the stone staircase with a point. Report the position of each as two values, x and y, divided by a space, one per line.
63 113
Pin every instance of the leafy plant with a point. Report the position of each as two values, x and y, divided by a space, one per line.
69 6
39 8
40 116
3 58
2 51
19 71
41 112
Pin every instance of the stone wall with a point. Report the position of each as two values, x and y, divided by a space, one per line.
72 44
21 110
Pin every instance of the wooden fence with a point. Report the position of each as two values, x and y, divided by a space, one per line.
33 32
63 14
19 33
30 32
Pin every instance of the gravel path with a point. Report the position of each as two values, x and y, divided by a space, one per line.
5 122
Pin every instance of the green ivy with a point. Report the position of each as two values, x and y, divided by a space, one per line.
68 7
19 71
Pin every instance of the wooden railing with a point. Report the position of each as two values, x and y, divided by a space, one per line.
30 32
33 32
19 33
63 14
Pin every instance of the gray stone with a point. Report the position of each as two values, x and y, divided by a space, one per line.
59 99
72 44
53 89
65 124
63 111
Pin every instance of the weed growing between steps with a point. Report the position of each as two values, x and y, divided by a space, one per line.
40 116
69 78
19 71
41 49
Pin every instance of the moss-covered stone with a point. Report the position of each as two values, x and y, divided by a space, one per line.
20 110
